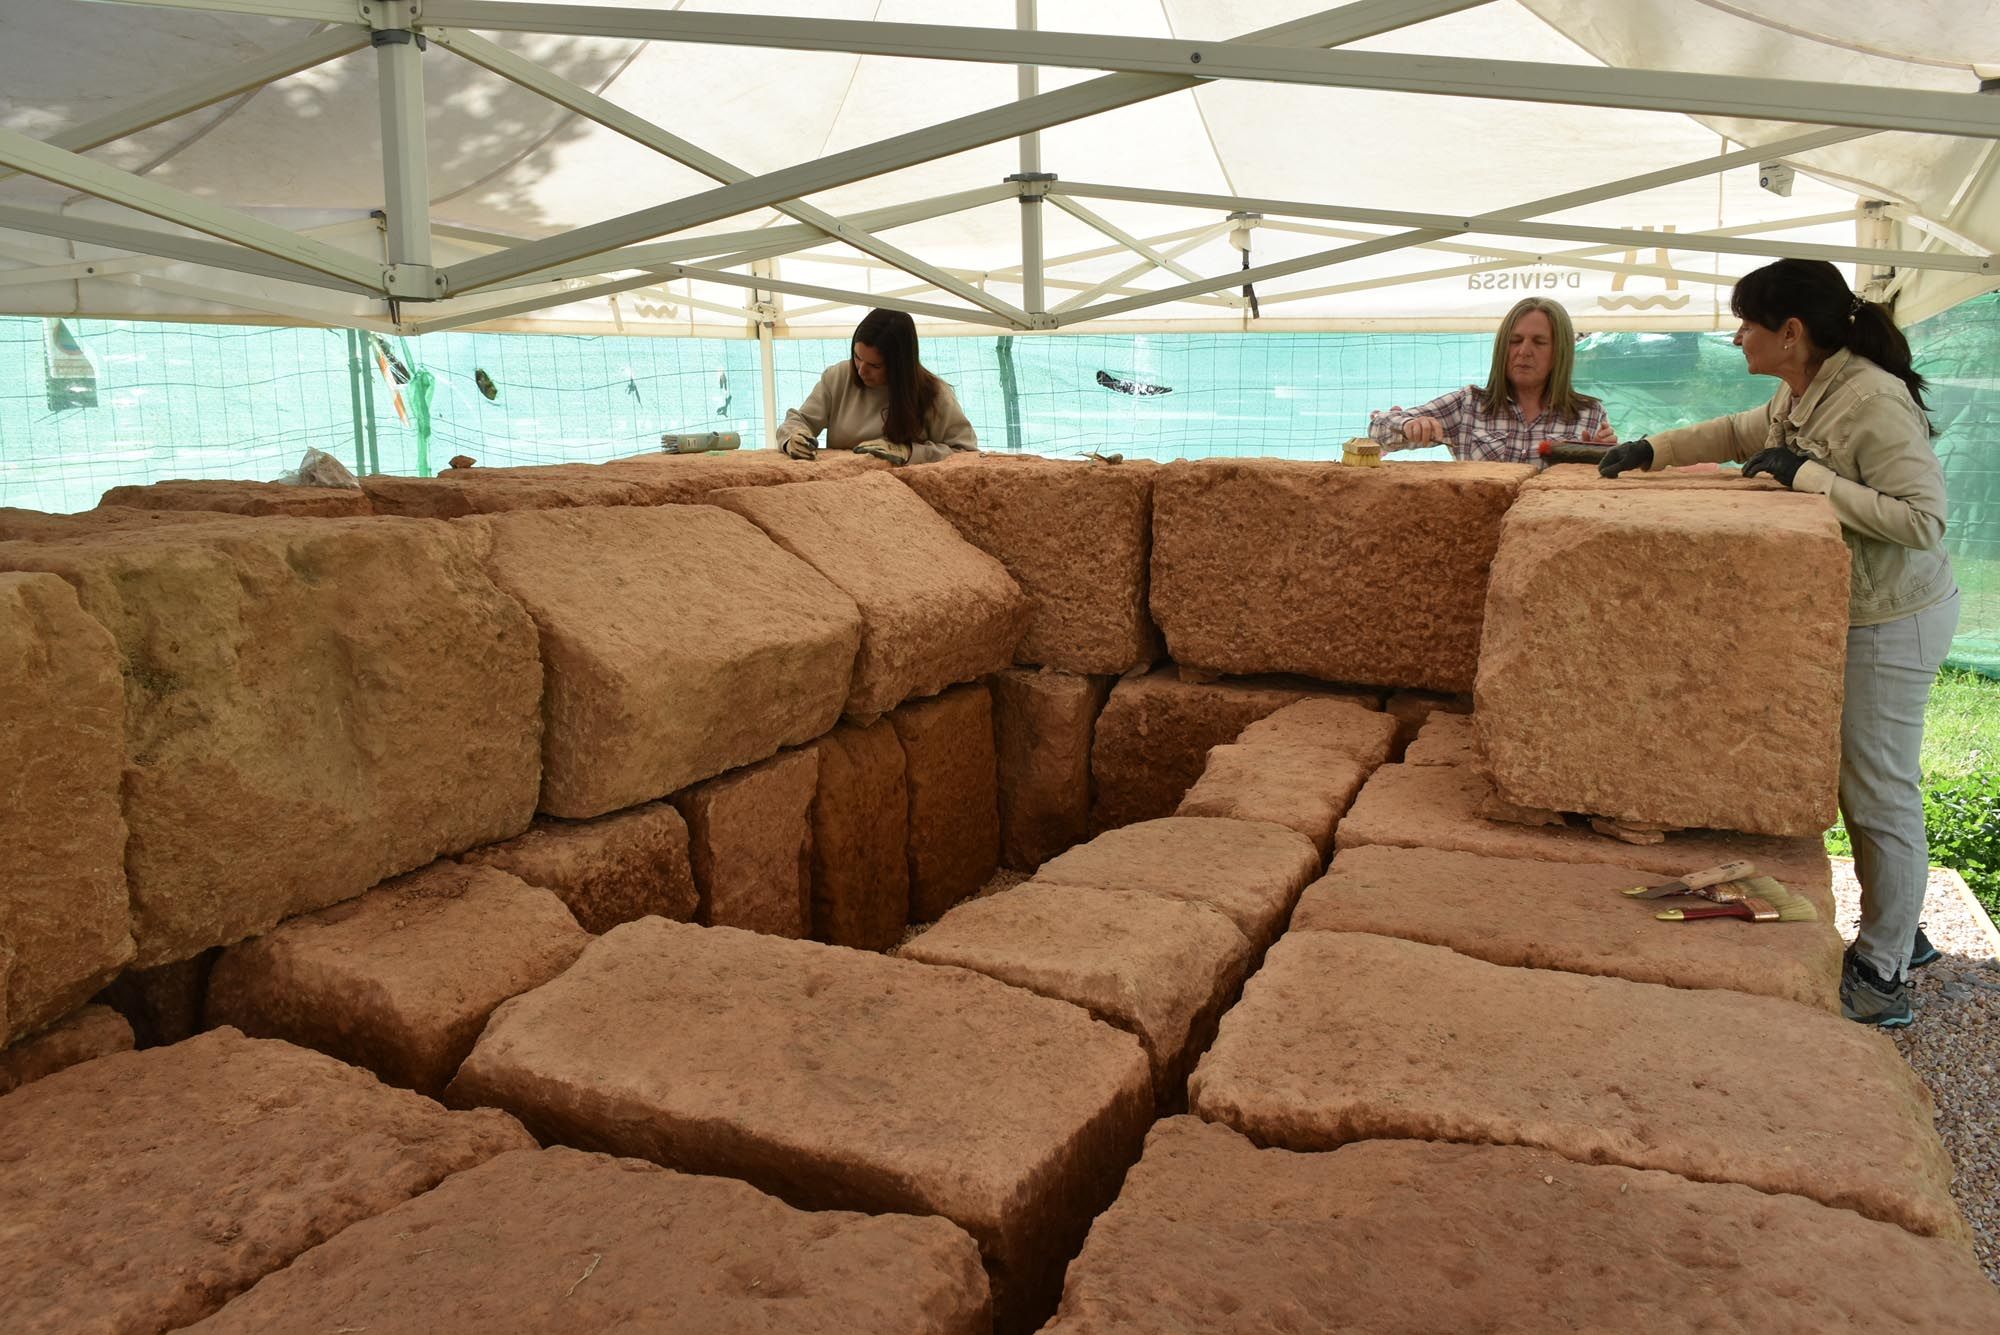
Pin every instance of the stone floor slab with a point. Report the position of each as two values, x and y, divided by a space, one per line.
1445 739
83 1035
1349 727
606 871
1300 786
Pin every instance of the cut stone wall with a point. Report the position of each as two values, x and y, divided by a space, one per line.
242 498
605 871
1043 723
860 838
949 766
750 841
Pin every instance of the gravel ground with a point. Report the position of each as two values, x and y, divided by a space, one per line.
1955 1043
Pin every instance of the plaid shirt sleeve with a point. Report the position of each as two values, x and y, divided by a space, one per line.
1450 409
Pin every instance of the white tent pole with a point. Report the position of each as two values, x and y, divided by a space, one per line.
1123 237
765 310
406 173
172 246
1118 280
1027 84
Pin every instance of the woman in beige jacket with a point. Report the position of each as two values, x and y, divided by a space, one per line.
1848 423
881 401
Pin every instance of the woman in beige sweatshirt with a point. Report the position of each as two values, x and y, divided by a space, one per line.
881 401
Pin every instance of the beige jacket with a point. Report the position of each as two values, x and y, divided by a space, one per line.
1868 451
851 414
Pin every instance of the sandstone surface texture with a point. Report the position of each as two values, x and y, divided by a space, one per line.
1411 708
484 491
949 763
605 871
65 924
1213 1234
1693 596
1297 785
935 610
538 1241
860 838
836 1080
1568 916
241 498
40 526
401 980
1445 739
1161 969
1369 575
81 1036
1344 726
311 706
146 1189
1714 1086
1584 477
678 641
1075 536
1043 723
681 479
750 842
1251 871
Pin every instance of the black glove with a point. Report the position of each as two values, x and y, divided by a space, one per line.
1632 454
1778 461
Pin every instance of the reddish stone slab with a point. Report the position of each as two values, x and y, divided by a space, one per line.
1344 726
146 1189
1087 598
242 498
1567 916
83 1035
678 642
605 871
1446 739
1299 786
860 838
935 610
750 840
311 706
1650 741
675 479
1212 1234
546 1240
1374 575
1584 477
39 526
954 831
401 980
835 1079
65 925
1043 722
483 491
1251 871
1714 1086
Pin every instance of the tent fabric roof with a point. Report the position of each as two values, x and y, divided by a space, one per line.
506 166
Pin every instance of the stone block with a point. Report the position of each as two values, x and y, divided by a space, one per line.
836 1080
401 980
1251 871
241 498
486 491
1694 596
545 1240
861 838
163 1004
1211 1233
1567 916
1411 708
39 526
311 706
1694 477
687 479
1299 786
605 871
935 610
750 840
1715 1086
1446 739
954 830
1087 599
1163 970
1344 726
81 1036
678 642
65 926
146 1189
1043 722
1371 575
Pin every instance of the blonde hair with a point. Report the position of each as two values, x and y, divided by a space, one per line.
1560 396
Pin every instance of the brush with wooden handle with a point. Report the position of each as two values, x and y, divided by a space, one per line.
1694 881
1751 909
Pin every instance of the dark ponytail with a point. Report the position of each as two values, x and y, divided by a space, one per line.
913 391
1813 292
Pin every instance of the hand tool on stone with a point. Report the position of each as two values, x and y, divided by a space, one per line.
1750 909
1572 452
1693 881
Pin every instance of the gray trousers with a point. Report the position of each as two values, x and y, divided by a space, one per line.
1889 673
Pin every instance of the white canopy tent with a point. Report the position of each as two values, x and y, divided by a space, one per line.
771 167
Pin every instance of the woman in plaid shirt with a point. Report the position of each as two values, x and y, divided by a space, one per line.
1527 399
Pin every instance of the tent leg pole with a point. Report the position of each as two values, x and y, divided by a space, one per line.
770 381
355 371
1028 84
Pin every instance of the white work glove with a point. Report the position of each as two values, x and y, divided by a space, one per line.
884 449
799 447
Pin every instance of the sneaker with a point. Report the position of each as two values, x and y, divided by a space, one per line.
1868 998
1923 952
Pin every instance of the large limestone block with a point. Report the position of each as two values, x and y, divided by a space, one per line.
836 1080
605 871
242 498
681 479
1154 733
1074 535
538 1241
1437 806
1043 722
1696 477
1211 1233
678 641
1160 969
485 491
1374 575
1411 708
954 831
1299 786
1567 916
1445 739
39 526
935 610
146 1189
1647 691
84 1035
65 925
860 838
311 706
1344 726
401 980
1251 871
750 840
1715 1086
